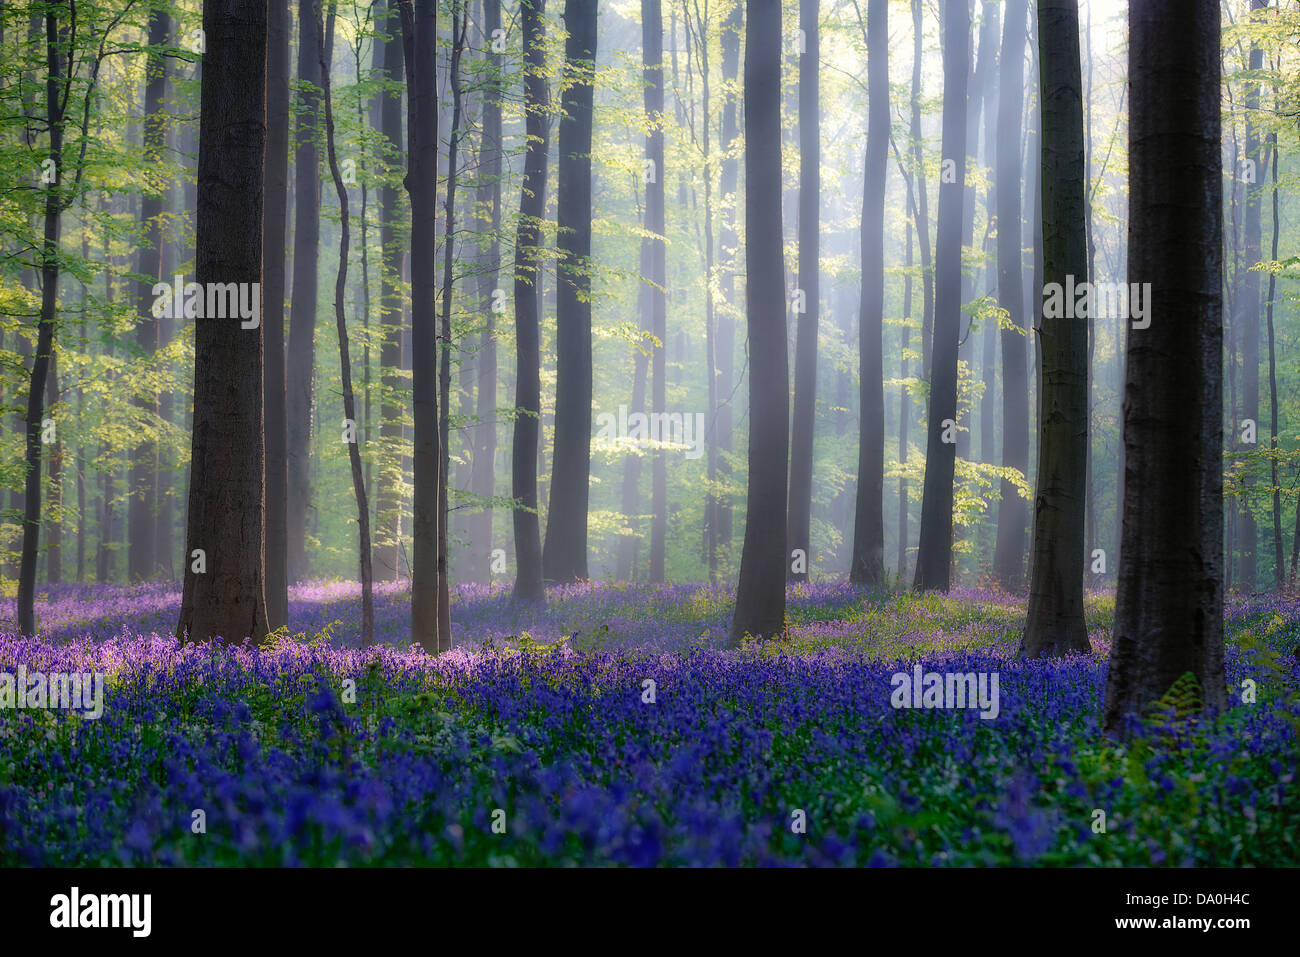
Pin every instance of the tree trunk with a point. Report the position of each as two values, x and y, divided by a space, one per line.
727 246
142 537
345 362
225 596
302 310
1055 623
804 426
274 229
760 594
934 550
388 510
868 566
1013 513
419 36
564 557
483 470
1169 606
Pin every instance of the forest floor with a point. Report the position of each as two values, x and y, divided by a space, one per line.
614 728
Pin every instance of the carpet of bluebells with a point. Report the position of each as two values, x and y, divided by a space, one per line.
532 742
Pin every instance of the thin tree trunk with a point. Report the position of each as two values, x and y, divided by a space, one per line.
934 550
301 358
804 426
345 362
1013 514
868 567
274 229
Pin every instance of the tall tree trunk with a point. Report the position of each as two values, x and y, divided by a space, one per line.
1248 307
532 207
760 594
1055 623
388 510
650 291
483 462
345 362
804 425
225 595
1013 513
54 205
142 536
54 550
301 358
1278 566
725 351
419 35
274 230
922 210
459 29
564 556
868 566
934 550
1169 607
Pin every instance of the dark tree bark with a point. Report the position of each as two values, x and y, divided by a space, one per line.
142 512
1055 623
934 550
988 358
760 594
345 362
44 355
564 556
226 513
54 548
1279 569
274 230
419 30
868 566
419 34
804 425
478 524
388 532
302 310
532 207
1013 512
1169 606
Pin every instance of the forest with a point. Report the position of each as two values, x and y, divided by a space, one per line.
649 432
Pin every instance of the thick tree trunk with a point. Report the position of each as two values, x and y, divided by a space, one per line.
934 550
804 426
760 594
1013 512
1169 607
224 593
1055 623
301 358
274 230
564 556
868 567
532 206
